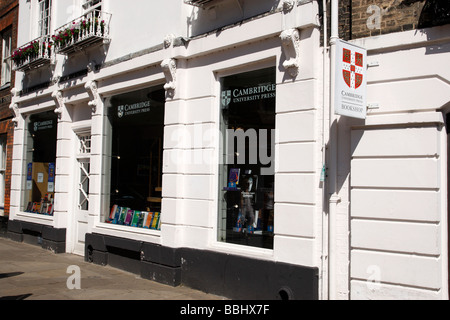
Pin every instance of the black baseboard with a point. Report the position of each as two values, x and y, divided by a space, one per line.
46 237
231 276
3 227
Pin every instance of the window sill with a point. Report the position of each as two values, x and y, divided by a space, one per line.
7 85
36 218
133 233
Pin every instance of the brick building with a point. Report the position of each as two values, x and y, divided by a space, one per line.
9 12
368 18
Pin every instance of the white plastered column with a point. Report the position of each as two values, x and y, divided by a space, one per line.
63 170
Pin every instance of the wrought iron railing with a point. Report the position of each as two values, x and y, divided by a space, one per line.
84 31
33 54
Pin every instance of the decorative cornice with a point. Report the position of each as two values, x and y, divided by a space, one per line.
290 40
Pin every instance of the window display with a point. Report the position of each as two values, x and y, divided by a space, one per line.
40 163
246 200
135 125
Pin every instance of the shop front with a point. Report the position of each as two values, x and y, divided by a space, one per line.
190 165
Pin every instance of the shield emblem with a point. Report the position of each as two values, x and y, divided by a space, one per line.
120 111
226 98
352 68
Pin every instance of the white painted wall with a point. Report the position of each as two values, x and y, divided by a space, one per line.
392 175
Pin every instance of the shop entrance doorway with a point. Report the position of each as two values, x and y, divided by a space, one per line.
81 205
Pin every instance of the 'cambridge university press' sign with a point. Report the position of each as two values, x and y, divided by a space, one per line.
351 80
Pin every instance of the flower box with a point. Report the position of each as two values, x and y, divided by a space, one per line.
85 31
33 54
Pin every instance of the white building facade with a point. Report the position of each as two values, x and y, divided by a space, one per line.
192 143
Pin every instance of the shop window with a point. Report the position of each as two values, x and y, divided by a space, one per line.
135 129
40 163
246 199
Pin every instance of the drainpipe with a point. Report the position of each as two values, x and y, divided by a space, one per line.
332 147
325 139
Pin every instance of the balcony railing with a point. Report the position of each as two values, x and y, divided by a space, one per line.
85 31
33 55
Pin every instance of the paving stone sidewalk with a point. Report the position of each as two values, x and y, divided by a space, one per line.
28 272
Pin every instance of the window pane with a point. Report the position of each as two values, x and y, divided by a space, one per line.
246 201
137 123
40 163
83 185
6 56
44 17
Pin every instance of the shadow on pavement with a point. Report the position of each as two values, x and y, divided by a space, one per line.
11 274
21 297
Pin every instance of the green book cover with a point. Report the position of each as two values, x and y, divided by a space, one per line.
135 219
123 215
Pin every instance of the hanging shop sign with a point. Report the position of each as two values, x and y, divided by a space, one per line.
351 80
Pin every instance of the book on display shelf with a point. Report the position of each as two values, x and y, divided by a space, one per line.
233 180
140 223
112 214
44 208
144 218
50 209
117 215
155 221
123 215
128 217
135 219
148 220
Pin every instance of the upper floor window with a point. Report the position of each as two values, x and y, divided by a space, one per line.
6 38
91 5
45 8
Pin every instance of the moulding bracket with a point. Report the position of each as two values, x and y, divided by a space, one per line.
14 107
290 40
60 104
92 90
169 67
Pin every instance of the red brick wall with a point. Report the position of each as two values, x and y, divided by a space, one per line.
9 13
366 18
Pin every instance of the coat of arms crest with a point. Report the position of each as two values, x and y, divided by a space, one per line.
352 68
226 97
